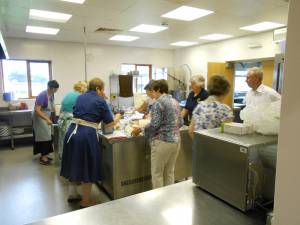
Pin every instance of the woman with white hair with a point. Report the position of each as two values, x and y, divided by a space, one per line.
197 94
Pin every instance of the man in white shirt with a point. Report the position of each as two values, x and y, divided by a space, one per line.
260 94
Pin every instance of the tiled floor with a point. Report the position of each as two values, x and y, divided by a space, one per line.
30 191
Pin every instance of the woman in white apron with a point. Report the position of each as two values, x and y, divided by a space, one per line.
44 106
81 159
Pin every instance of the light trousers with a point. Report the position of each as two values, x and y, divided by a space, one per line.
163 160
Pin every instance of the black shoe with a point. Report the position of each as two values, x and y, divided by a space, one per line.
49 158
72 199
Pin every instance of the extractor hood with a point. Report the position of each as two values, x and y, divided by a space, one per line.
3 50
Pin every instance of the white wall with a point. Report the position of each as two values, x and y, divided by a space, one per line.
228 50
68 59
287 196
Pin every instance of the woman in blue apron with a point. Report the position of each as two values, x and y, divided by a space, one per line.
81 160
44 106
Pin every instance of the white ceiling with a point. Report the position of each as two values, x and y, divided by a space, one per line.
125 14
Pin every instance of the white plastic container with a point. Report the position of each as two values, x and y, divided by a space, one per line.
238 128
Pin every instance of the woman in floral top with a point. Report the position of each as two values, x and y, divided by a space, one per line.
212 112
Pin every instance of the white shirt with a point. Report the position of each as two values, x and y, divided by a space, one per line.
262 95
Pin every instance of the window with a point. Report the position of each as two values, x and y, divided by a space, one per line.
25 78
160 73
142 78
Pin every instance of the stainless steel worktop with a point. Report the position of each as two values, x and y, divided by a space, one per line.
244 140
11 112
179 204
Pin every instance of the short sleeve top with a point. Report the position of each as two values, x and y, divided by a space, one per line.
43 99
193 100
69 101
93 108
211 113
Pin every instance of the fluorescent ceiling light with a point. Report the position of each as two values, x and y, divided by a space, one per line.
41 30
2 44
187 13
215 37
49 16
145 28
74 1
123 38
262 26
184 43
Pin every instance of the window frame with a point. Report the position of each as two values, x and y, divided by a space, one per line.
28 61
135 67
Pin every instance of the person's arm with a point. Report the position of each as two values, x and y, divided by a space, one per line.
275 96
37 110
196 120
227 114
108 115
245 101
143 107
116 120
155 122
184 112
192 129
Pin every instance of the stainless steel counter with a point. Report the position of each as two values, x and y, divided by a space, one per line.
178 204
126 164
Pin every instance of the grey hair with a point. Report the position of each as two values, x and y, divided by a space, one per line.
199 80
257 72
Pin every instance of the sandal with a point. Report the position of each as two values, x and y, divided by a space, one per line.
43 162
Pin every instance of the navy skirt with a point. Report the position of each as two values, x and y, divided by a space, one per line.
81 159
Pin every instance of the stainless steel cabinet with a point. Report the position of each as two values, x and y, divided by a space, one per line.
126 164
228 166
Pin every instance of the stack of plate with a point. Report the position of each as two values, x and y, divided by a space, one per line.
4 130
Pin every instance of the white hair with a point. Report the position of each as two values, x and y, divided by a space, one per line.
257 72
199 80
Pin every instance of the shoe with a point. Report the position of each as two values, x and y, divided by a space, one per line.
45 163
49 158
72 199
92 203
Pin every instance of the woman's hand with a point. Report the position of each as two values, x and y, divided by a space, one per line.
136 131
38 111
147 116
118 116
49 122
